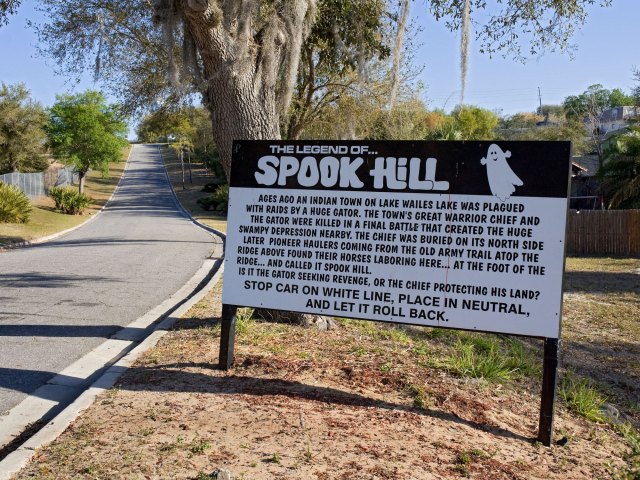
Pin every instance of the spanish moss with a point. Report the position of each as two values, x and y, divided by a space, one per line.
397 52
464 47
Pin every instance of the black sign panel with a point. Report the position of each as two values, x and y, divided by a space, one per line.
471 168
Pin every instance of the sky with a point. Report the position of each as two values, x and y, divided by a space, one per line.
606 53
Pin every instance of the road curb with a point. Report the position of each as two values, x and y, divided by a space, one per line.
54 236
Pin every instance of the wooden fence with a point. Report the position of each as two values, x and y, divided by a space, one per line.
603 232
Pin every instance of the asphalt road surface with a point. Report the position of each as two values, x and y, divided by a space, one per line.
61 299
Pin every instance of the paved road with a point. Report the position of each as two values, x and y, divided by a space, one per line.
61 299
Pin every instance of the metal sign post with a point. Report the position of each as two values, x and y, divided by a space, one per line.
227 336
549 380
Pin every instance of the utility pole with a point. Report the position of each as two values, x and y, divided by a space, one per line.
540 100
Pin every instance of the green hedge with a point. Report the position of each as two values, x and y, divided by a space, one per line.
218 202
69 200
14 205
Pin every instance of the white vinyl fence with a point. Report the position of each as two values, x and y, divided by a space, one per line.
38 184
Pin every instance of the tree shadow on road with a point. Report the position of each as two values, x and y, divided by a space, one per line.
47 280
8 240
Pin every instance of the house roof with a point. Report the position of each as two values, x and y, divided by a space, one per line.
587 165
578 167
620 113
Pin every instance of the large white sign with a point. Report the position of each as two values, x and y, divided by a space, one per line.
358 237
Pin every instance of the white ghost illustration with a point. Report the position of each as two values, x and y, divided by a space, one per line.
502 180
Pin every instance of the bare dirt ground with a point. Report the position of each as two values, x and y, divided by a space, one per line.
363 401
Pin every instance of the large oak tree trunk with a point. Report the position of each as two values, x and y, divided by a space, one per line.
249 67
243 115
249 81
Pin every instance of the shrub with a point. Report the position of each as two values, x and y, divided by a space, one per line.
14 205
218 202
212 186
69 200
212 161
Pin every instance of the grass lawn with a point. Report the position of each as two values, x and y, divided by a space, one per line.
46 221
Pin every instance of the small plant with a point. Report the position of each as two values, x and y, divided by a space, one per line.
420 397
520 360
244 317
275 458
581 397
211 187
632 436
276 349
211 160
479 361
205 476
200 446
221 197
90 470
385 367
14 205
359 351
308 454
465 459
421 349
218 201
395 334
69 201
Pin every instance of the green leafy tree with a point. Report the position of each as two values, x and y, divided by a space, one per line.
202 139
551 125
474 123
588 107
617 98
165 125
172 124
7 7
86 132
349 117
621 172
592 102
406 121
22 136
522 120
345 41
636 89
244 57
551 113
